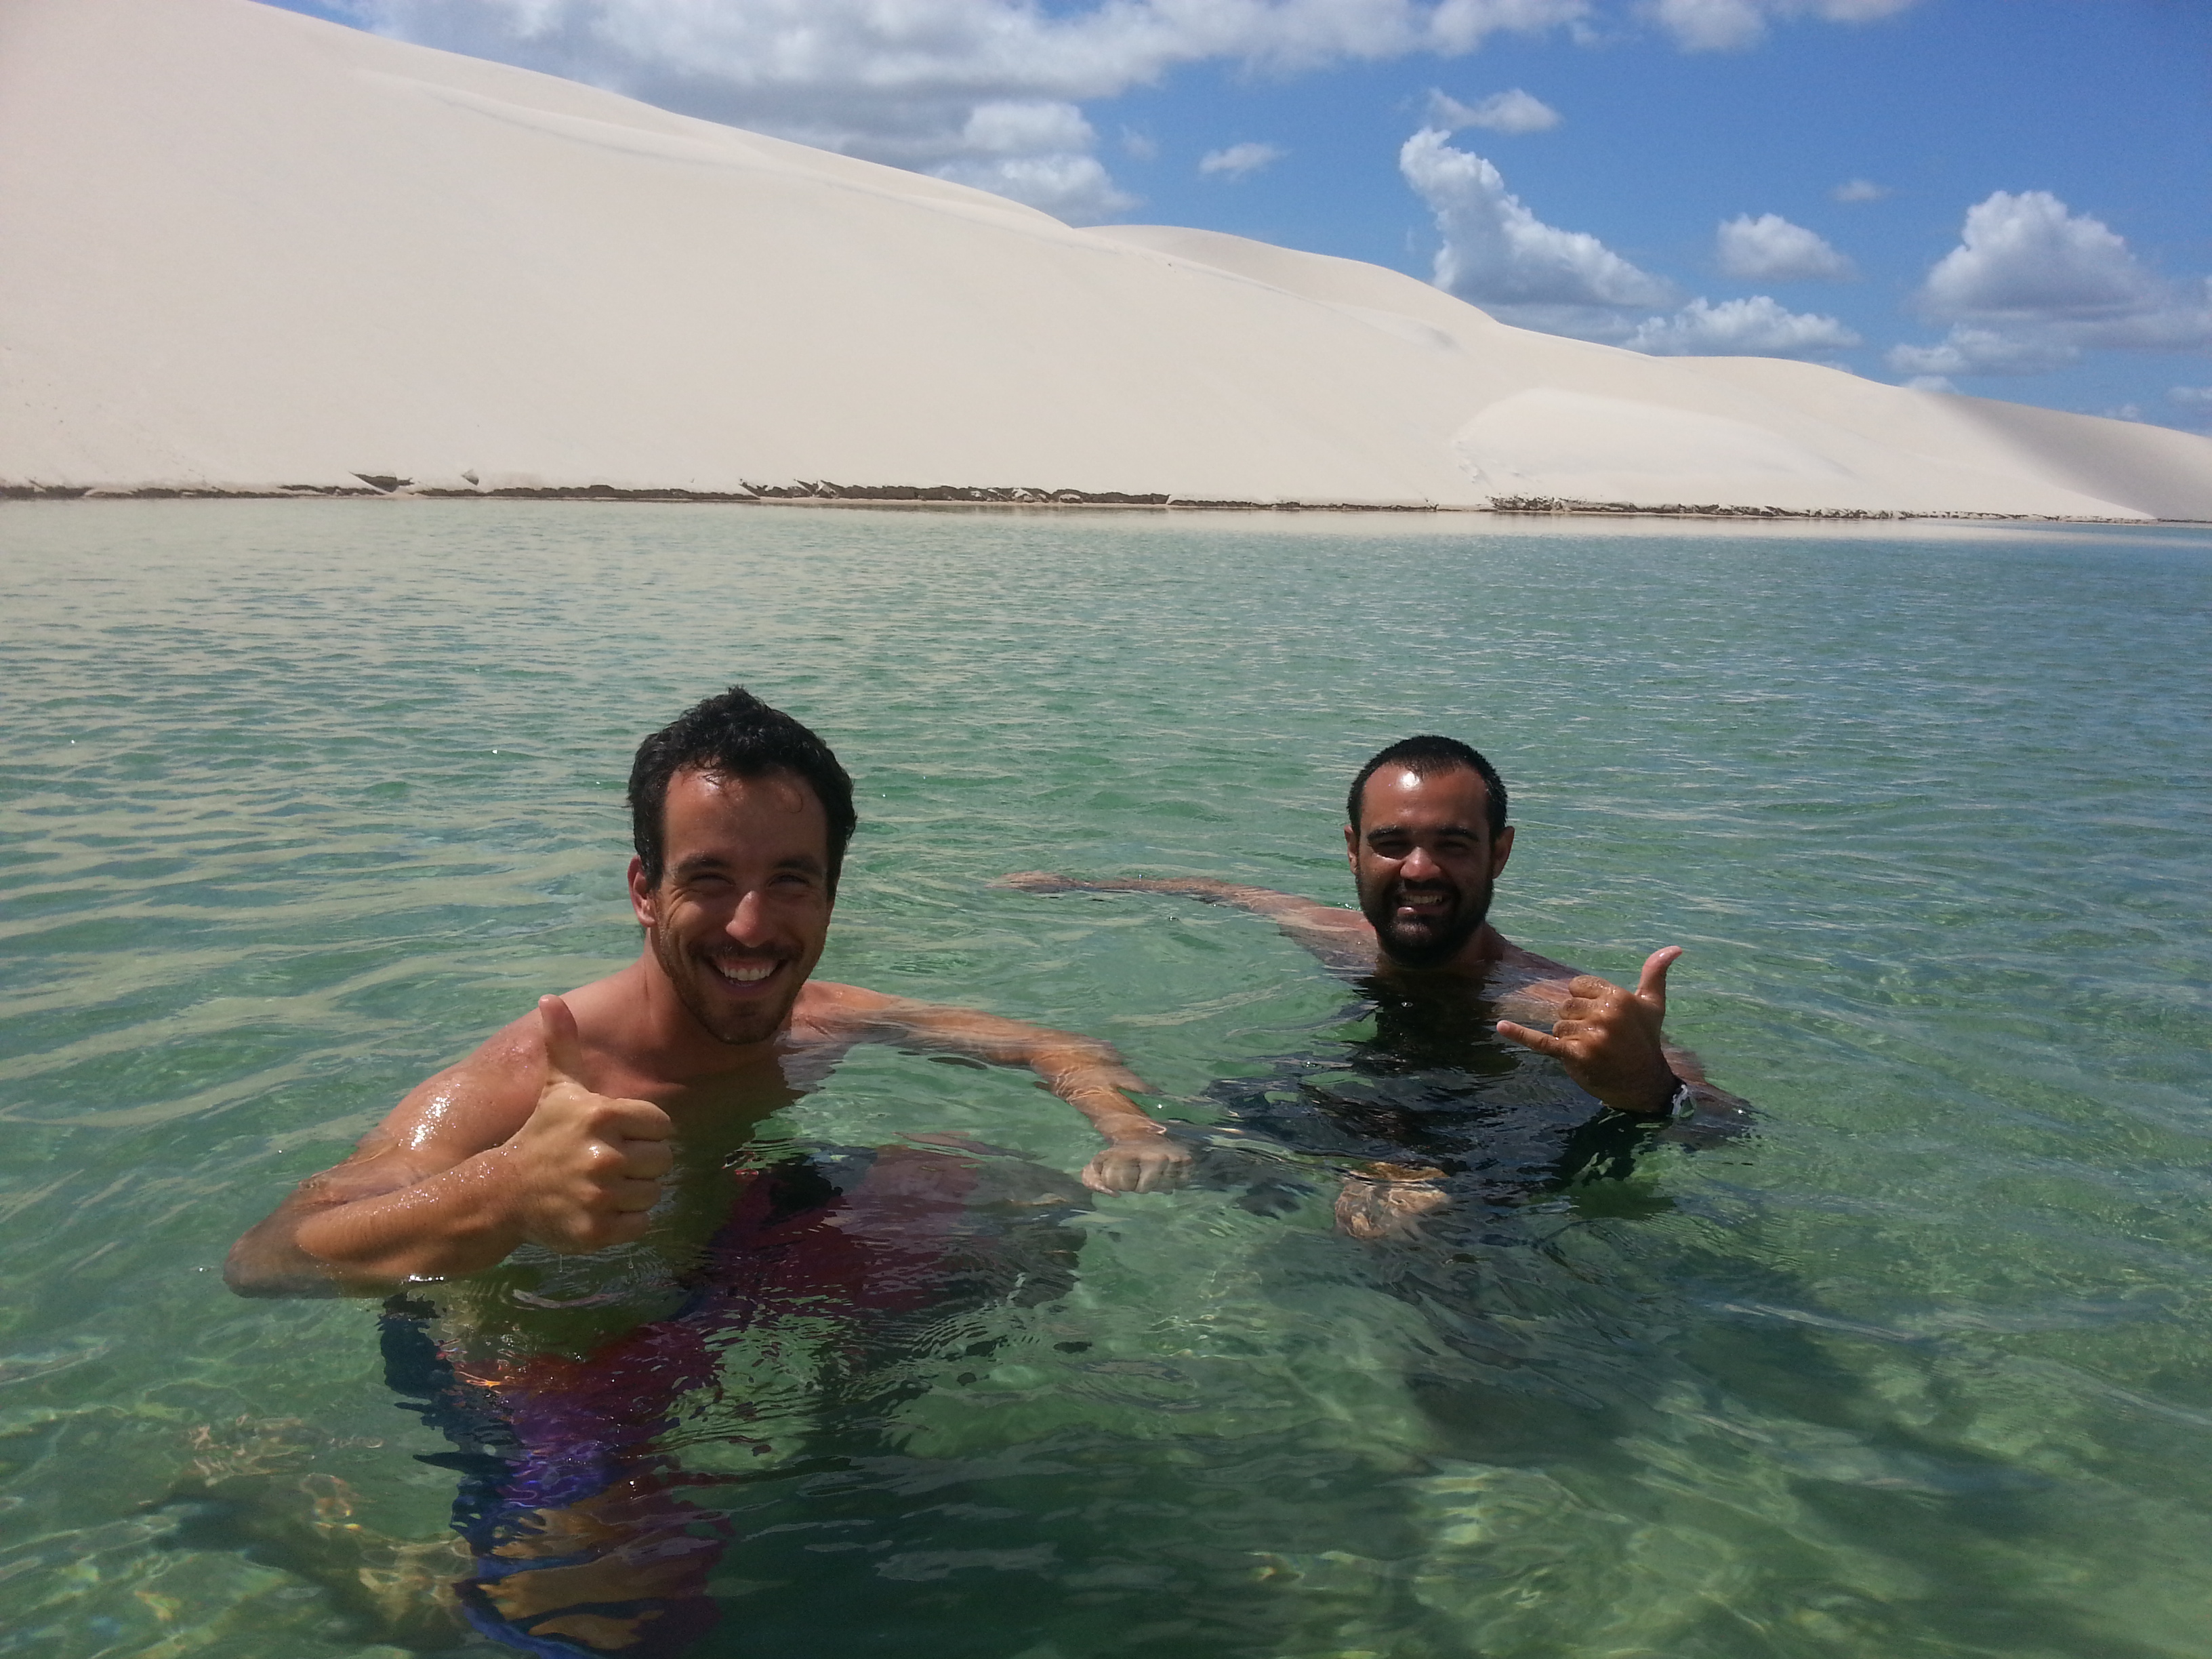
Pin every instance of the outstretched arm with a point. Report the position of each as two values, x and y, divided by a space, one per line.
1088 1074
505 1147
1340 938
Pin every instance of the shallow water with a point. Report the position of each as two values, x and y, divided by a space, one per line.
300 799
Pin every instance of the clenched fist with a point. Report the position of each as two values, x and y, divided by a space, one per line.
1608 1038
586 1167
1143 1163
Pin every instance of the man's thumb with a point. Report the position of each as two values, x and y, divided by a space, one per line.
1651 988
564 1045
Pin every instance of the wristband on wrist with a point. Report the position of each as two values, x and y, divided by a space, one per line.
1682 1102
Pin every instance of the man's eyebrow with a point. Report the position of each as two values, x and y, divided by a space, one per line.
1468 829
807 862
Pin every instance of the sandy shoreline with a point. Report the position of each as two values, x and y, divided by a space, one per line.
946 499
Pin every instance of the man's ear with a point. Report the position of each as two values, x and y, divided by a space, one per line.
1500 850
641 895
1352 846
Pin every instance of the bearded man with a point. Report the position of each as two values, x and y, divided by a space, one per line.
1427 839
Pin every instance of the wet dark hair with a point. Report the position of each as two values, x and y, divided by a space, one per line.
1426 757
733 735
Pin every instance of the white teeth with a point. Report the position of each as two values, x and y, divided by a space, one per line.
745 973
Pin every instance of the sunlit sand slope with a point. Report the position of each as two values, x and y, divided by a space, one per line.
246 250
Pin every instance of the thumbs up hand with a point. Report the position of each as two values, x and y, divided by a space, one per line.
586 1167
1608 1038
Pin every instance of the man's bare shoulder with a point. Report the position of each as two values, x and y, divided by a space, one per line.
466 1107
481 1099
522 1039
484 1097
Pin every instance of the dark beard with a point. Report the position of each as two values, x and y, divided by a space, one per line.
1459 925
679 969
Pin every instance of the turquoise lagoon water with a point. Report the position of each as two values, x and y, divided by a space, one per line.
301 799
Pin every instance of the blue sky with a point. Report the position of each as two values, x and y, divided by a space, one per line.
2035 219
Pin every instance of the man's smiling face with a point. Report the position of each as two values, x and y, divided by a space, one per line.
742 909
1425 861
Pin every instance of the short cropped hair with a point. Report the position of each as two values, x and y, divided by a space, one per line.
733 735
1426 757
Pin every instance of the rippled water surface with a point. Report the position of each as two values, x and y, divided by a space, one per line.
300 800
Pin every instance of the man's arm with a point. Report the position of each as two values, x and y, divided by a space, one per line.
1341 938
1088 1074
507 1146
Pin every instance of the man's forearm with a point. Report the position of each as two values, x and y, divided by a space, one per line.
1088 1074
1139 1155
451 1225
1092 1078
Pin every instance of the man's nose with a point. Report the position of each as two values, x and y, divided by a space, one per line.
749 922
1420 865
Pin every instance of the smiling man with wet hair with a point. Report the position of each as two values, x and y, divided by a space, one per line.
594 1161
556 1131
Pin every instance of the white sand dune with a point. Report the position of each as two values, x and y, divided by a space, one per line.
244 249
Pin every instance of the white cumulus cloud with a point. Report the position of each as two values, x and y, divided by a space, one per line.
2191 397
1513 112
1240 160
1769 249
1039 152
1757 327
1497 254
2032 285
2027 256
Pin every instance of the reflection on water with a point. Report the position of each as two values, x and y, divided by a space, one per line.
300 800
